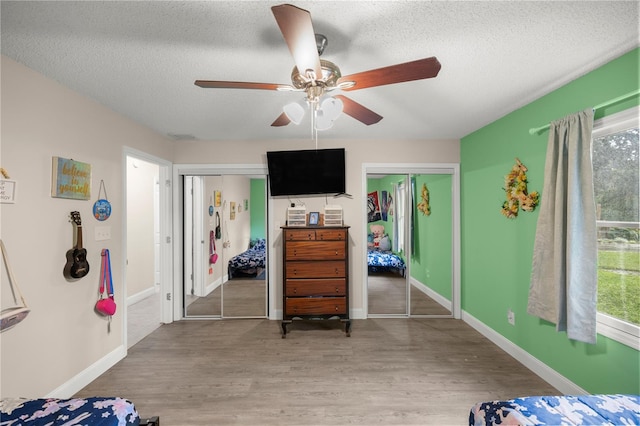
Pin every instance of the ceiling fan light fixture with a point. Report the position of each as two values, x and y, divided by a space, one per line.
323 121
295 111
328 111
331 107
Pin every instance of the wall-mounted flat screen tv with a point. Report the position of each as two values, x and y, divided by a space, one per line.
313 171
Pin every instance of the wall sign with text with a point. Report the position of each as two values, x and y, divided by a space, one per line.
8 191
70 179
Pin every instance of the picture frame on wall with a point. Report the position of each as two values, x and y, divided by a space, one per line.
8 189
70 179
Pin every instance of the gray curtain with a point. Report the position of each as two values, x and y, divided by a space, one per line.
564 281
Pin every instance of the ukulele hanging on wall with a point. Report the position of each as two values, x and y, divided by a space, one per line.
77 265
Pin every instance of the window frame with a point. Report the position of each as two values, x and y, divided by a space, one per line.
608 326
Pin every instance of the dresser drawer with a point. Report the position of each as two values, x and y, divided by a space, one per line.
316 306
319 287
299 234
315 250
331 234
313 269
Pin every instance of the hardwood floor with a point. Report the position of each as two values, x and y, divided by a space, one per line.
389 372
243 297
387 295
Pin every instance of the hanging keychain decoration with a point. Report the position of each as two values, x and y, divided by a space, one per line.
102 207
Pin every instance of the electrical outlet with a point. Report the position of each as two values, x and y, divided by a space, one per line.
102 233
511 317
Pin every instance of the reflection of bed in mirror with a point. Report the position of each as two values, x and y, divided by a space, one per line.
385 261
249 263
380 256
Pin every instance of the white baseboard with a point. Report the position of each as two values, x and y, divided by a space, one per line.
212 286
430 293
357 314
548 374
88 375
142 295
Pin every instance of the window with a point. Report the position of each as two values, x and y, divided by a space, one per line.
616 170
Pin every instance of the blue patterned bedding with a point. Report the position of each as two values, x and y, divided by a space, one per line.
76 411
384 261
249 261
559 410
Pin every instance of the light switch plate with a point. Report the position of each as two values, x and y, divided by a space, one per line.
102 233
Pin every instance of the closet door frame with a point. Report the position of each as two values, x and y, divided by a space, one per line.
452 169
180 170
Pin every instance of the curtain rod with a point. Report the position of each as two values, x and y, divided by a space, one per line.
636 92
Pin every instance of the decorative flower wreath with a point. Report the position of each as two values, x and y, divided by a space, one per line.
423 205
516 189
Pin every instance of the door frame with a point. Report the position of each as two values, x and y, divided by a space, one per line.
179 171
166 248
409 169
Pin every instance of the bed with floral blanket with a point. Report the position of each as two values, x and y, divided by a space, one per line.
559 410
385 261
250 262
93 411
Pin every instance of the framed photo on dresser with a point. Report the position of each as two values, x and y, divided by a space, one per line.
314 217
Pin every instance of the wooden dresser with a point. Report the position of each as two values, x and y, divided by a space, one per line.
316 274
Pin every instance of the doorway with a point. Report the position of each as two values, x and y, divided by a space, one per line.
147 219
412 234
223 243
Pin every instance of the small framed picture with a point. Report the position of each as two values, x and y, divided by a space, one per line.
313 218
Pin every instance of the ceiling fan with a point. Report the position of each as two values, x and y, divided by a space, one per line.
316 77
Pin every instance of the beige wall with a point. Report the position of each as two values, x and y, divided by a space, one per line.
62 337
237 231
234 188
141 184
215 272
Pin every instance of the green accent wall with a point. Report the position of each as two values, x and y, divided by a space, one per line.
497 252
257 208
432 257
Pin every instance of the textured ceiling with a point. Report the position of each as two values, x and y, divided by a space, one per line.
141 59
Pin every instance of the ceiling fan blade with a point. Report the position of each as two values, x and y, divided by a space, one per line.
212 84
358 111
297 30
408 71
282 120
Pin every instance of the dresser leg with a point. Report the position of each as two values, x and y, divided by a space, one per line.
284 329
347 328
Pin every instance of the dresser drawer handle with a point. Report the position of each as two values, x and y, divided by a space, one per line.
336 252
336 308
337 290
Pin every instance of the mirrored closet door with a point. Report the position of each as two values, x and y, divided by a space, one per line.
410 244
225 252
